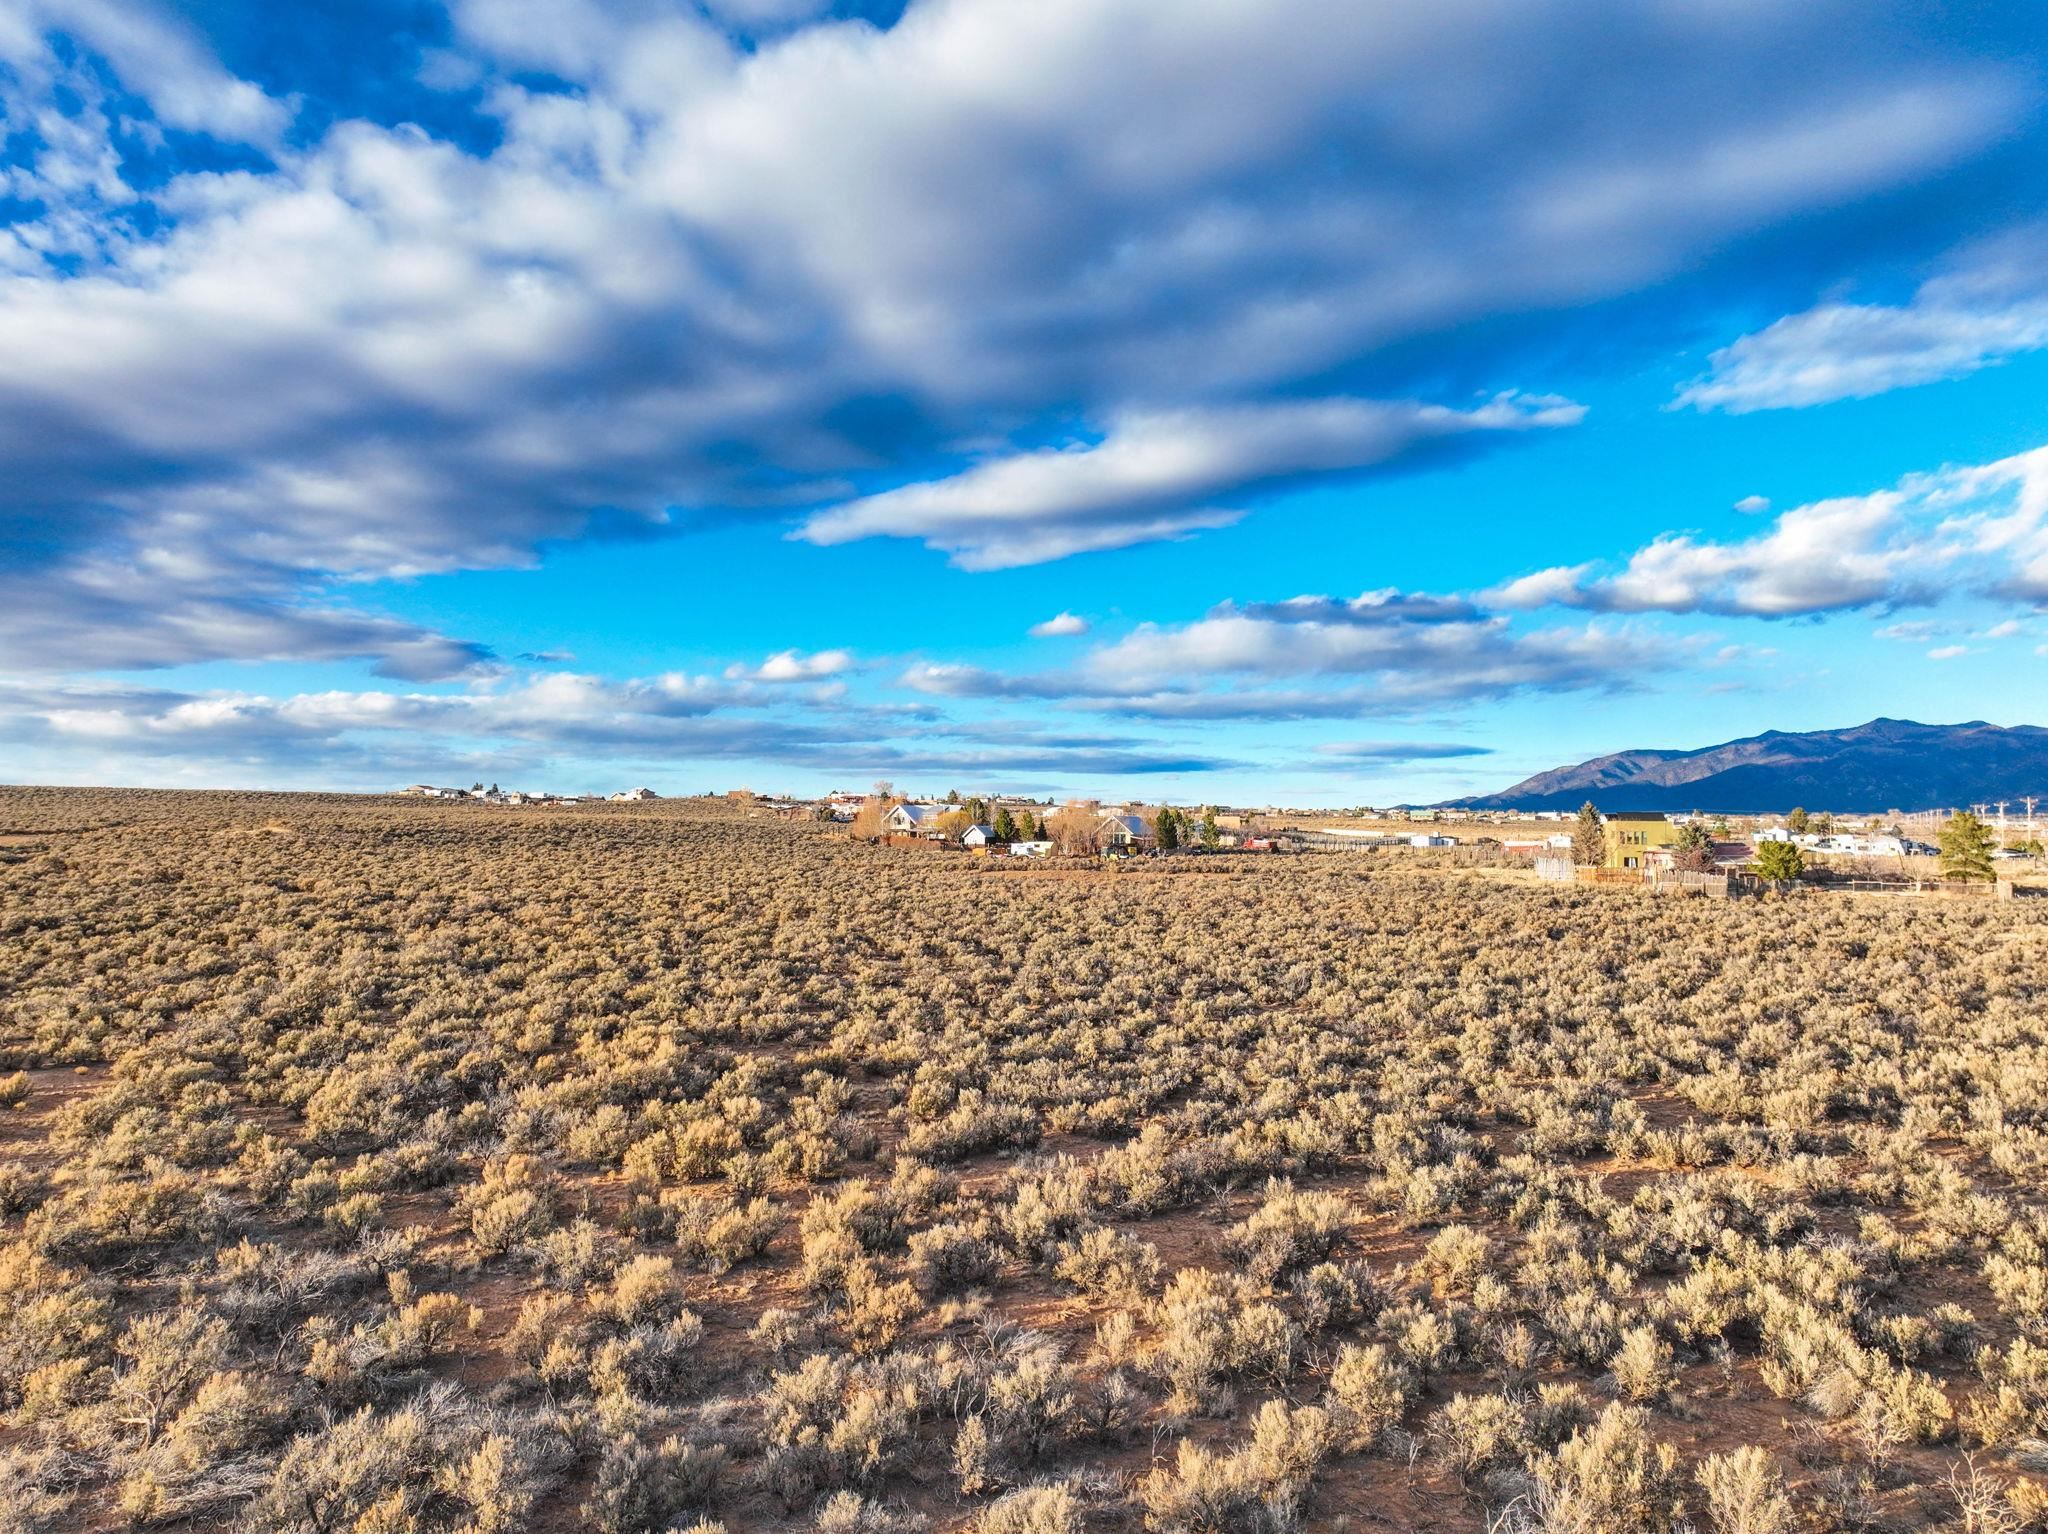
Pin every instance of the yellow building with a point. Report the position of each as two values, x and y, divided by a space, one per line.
1636 838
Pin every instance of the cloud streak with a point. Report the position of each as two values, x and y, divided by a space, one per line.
1163 474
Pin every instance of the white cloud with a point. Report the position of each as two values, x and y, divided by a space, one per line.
794 666
1913 631
1061 625
1981 529
1159 474
953 679
1948 651
1409 663
158 57
1753 505
1990 304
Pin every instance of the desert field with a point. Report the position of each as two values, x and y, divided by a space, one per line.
371 1166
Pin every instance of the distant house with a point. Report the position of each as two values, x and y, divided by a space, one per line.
1638 839
630 795
1124 833
1875 845
1429 840
914 819
978 836
1558 841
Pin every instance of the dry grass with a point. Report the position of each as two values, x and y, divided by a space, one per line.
414 1166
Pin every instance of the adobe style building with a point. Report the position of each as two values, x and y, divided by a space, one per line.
1638 839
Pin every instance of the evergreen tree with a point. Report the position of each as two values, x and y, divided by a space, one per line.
1166 830
1005 827
1694 851
1966 844
1797 822
977 811
1589 839
1211 837
1779 860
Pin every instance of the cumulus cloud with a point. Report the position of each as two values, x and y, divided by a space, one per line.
1980 529
638 271
1159 474
1991 303
794 666
158 56
1061 625
952 679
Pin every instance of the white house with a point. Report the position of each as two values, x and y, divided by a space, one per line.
1432 841
631 795
978 836
914 819
1871 846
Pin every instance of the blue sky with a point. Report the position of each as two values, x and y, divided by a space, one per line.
1292 403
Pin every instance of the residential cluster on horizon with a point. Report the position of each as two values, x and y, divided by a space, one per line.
513 796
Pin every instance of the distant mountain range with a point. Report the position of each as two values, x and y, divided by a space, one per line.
1883 765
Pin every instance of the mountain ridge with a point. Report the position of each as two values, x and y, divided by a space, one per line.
1884 764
